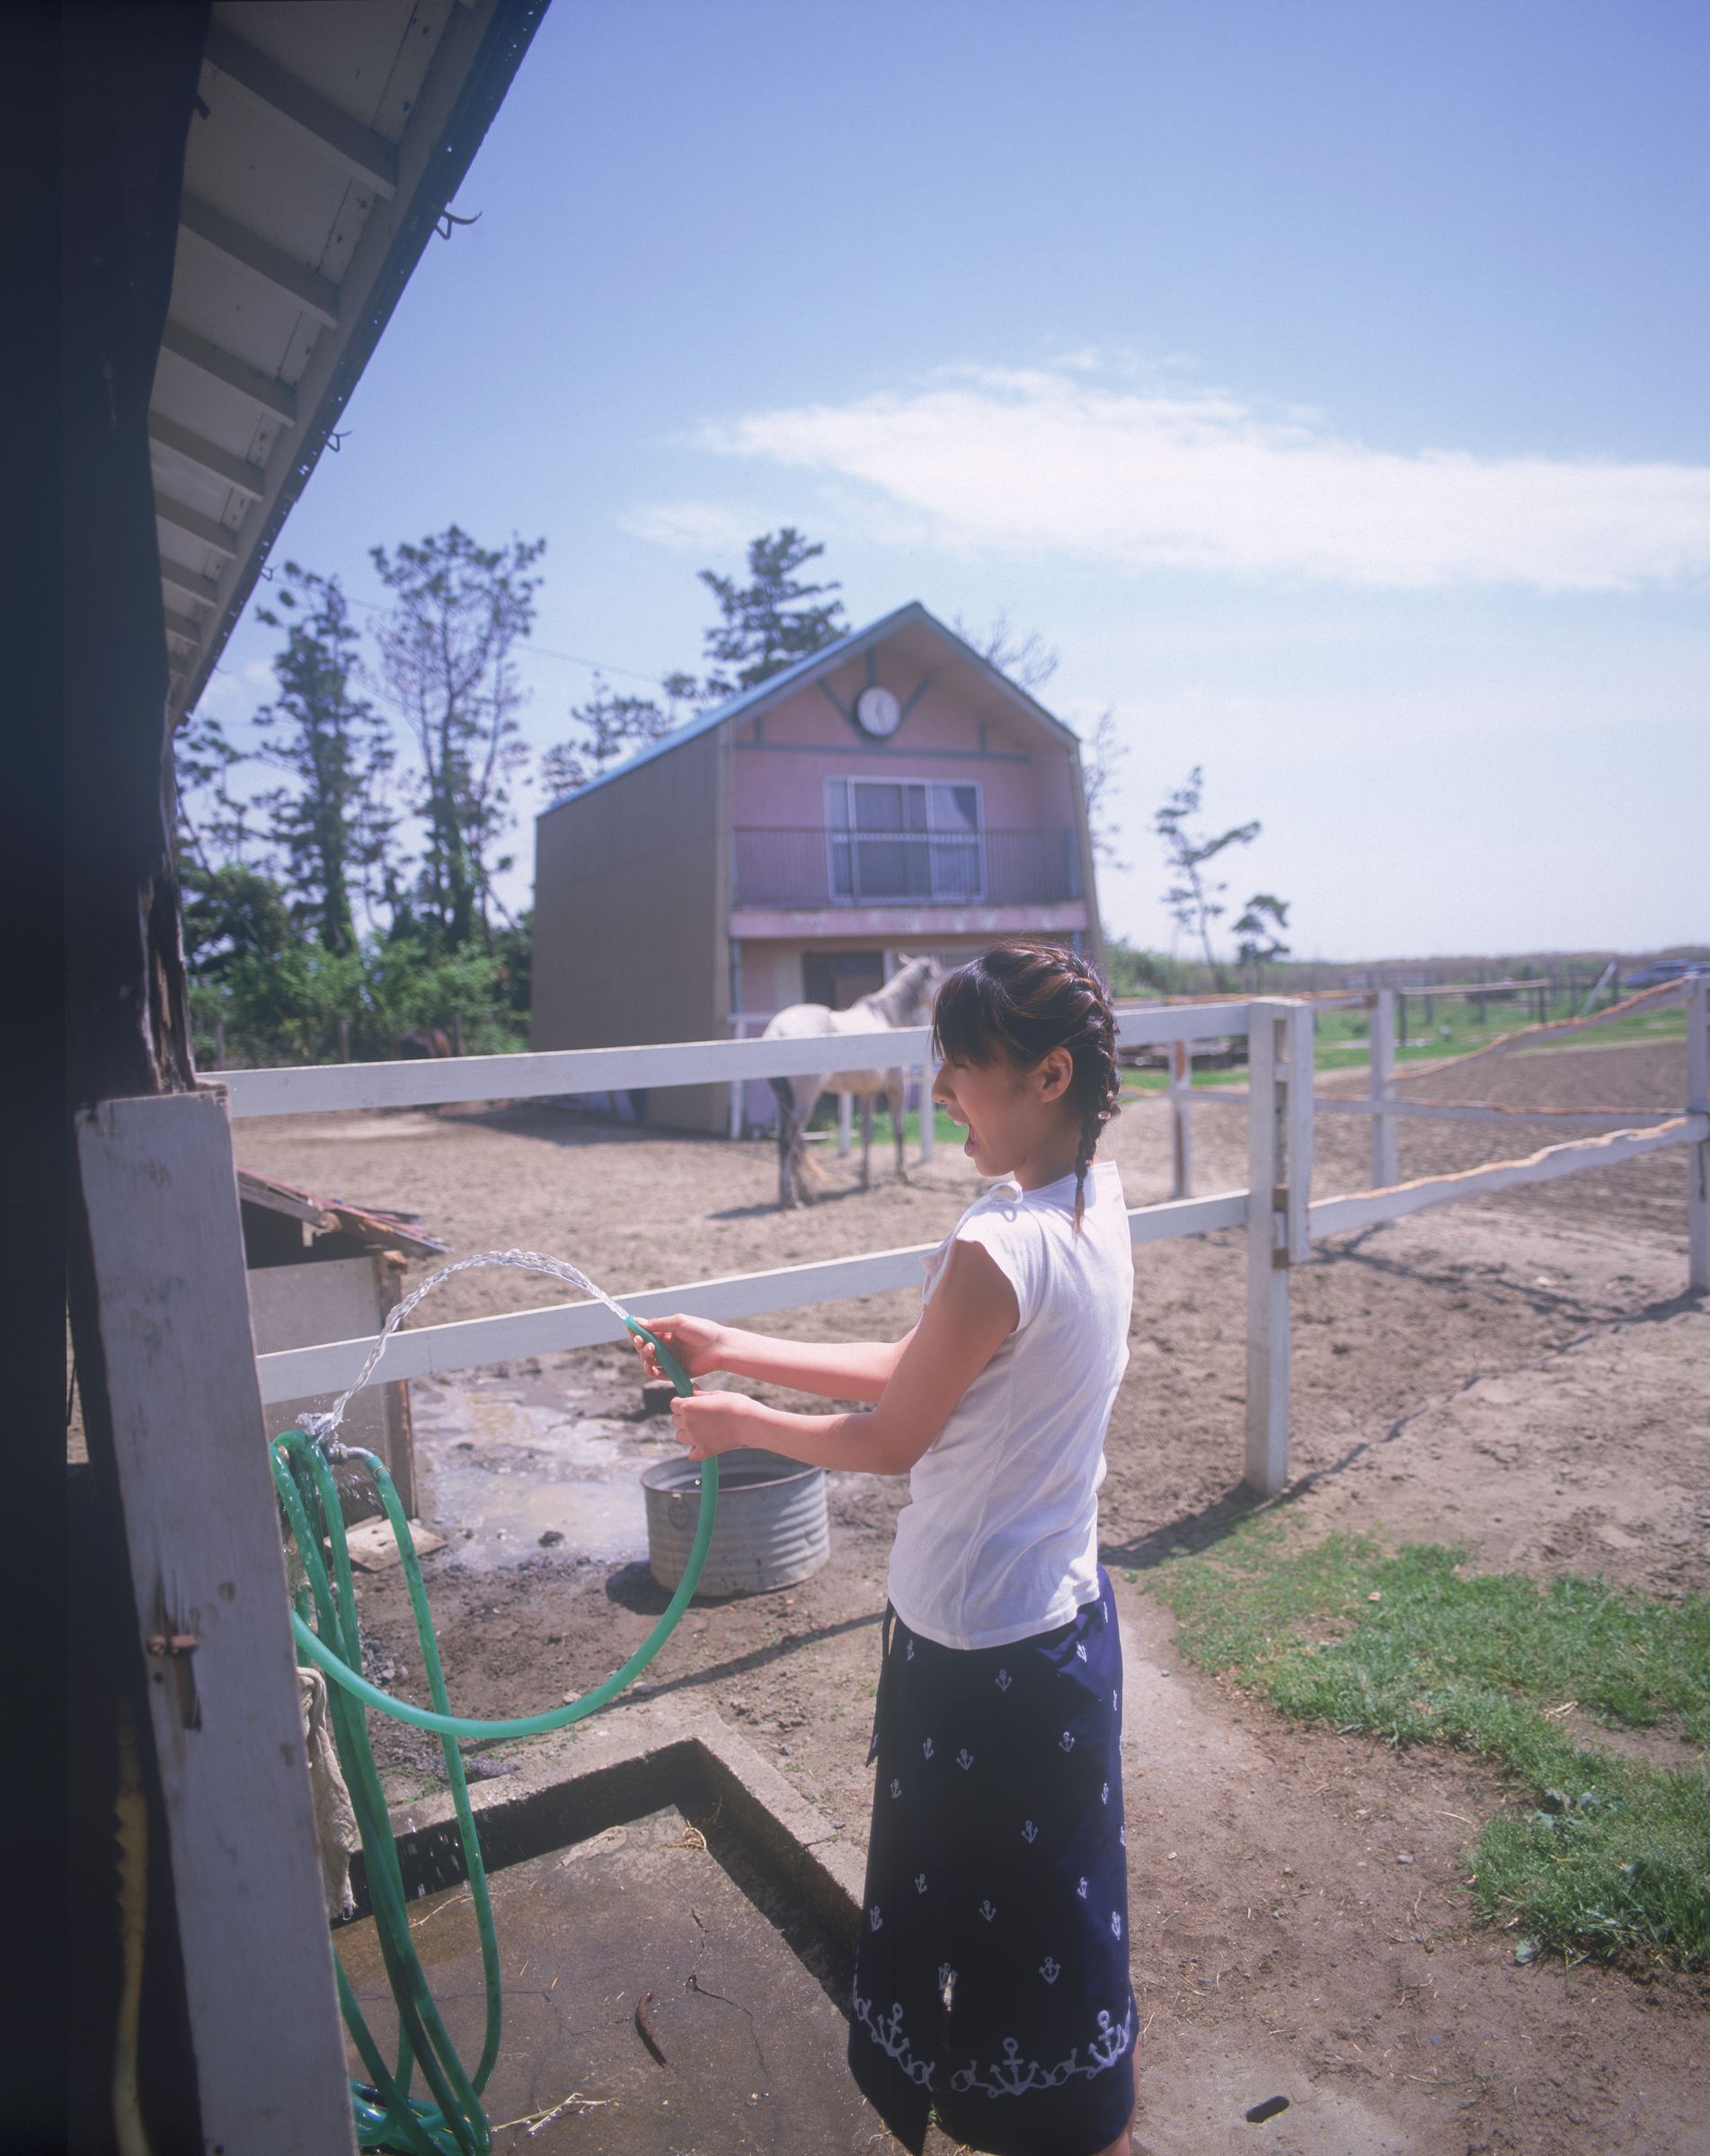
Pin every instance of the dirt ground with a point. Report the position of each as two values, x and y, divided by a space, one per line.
1522 1372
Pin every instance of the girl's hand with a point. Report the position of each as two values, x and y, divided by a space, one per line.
698 1343
709 1423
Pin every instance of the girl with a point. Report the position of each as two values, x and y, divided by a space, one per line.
991 1980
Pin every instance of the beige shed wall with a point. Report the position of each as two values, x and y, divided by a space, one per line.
631 889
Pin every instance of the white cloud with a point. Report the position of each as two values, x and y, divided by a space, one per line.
1068 461
690 528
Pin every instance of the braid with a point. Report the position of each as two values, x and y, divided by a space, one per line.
1097 1077
1018 1001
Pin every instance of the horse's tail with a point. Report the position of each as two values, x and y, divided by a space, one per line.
790 1133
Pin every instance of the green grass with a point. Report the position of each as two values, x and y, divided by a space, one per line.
1597 1854
1341 1041
825 1118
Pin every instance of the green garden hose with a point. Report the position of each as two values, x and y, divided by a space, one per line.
452 2124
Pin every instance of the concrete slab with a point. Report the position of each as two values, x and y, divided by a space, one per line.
648 1857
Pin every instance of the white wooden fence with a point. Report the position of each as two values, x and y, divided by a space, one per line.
1275 1207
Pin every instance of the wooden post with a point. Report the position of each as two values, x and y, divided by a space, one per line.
1267 1419
928 1114
345 1040
845 1123
1299 1114
739 1032
219 1044
1181 1118
1698 1155
1380 1086
201 1529
456 1032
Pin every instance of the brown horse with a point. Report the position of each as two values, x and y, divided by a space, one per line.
424 1040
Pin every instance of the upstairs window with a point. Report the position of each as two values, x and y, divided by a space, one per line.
907 838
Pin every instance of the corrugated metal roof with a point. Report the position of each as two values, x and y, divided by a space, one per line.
326 143
749 702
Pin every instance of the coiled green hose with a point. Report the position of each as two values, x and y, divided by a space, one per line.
386 2116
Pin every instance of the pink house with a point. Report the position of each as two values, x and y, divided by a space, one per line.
891 793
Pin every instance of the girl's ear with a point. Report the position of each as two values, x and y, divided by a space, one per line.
1055 1073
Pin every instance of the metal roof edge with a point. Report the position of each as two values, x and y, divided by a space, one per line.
749 702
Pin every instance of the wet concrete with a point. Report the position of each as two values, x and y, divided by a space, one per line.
753 2045
499 1466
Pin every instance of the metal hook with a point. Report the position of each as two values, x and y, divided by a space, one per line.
447 218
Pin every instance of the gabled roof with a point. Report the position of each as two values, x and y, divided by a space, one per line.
748 703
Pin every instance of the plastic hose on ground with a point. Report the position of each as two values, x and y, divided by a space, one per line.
387 2116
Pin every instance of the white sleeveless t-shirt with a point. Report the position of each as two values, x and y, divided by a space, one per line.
999 1539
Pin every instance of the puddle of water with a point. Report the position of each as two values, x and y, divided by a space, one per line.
509 1471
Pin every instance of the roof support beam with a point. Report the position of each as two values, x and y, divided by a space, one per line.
182 627
259 259
365 155
204 530
201 590
277 398
243 477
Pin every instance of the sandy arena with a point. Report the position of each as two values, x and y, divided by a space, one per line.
1522 1372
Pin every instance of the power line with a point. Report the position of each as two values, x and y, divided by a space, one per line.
574 659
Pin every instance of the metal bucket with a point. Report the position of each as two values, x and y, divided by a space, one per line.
771 1528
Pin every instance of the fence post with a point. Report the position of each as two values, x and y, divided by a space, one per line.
739 1032
1381 1089
1181 1117
845 1123
1267 1429
345 1040
219 1044
1698 1155
1298 1115
928 1114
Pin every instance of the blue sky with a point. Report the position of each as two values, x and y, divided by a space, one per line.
1326 384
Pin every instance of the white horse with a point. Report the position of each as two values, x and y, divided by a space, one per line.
905 1000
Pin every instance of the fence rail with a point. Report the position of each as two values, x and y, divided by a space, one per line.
1281 1219
435 1082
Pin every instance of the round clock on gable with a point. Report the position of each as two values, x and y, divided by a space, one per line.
878 713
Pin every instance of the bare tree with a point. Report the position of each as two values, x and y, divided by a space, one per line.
1195 898
446 649
1103 752
1028 661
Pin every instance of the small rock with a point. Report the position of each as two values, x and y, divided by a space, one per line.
551 1535
1402 1860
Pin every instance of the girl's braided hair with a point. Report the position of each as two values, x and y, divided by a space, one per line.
1017 1002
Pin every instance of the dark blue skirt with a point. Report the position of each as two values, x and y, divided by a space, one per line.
991 1984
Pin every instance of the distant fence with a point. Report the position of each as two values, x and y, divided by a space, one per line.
1275 1207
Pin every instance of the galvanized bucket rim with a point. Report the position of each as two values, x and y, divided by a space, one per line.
673 1477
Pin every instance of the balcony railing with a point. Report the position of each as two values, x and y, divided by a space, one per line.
819 866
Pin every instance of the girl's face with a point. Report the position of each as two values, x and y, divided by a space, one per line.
1010 1115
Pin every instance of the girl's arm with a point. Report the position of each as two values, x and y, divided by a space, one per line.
834 1369
972 1312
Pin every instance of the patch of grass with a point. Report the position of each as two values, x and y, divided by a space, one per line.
1603 1854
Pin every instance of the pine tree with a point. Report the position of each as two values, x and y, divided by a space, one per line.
332 825
769 623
